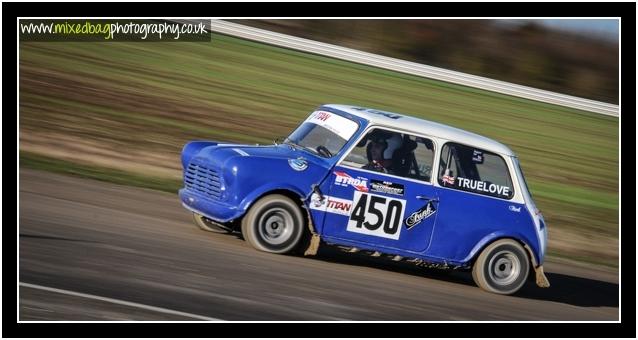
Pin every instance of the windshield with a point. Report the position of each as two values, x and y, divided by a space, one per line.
323 133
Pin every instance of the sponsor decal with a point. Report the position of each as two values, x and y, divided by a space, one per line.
477 156
385 187
338 206
483 187
376 215
343 179
385 114
342 126
316 201
298 164
514 208
448 179
420 215
321 115
331 204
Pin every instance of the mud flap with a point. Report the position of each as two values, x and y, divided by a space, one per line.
315 240
541 279
313 248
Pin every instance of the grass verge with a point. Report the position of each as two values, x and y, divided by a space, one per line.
38 162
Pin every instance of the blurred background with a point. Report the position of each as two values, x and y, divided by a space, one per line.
571 56
121 112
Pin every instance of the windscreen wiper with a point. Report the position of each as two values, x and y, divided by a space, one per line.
296 146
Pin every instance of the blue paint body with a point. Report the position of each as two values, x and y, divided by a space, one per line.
223 180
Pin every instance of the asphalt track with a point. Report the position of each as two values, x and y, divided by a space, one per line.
90 250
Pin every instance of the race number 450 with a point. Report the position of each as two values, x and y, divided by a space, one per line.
376 215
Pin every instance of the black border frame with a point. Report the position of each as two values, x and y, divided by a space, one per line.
627 326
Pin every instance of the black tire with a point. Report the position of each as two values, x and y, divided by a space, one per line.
274 224
502 267
208 225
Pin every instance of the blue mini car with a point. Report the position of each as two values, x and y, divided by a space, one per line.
378 182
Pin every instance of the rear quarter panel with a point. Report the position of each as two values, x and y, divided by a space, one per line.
467 222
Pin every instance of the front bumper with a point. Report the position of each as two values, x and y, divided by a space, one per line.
214 210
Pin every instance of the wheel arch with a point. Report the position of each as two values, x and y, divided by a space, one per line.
289 191
489 239
278 194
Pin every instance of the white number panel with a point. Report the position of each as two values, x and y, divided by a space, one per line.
376 215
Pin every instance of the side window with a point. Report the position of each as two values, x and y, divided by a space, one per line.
474 170
393 153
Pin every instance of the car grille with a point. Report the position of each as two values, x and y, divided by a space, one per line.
204 180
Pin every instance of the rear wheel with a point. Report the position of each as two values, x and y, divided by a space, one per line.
274 224
502 267
209 225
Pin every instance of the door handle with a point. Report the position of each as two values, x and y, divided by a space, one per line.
425 198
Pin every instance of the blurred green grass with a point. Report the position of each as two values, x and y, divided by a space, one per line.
151 98
35 161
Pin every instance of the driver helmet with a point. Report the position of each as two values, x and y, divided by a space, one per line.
392 144
383 145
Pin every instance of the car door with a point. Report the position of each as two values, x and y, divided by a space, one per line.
394 207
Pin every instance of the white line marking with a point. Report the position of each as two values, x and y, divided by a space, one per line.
120 302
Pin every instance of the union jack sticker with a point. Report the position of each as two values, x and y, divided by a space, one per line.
448 179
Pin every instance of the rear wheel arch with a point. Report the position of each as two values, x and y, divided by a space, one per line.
530 253
533 262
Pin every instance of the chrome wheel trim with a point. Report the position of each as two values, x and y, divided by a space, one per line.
275 226
504 268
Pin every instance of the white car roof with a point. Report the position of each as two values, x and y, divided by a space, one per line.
426 127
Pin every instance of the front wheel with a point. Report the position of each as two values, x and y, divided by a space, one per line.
274 224
502 267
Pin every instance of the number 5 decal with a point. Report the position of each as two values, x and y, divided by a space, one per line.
376 215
